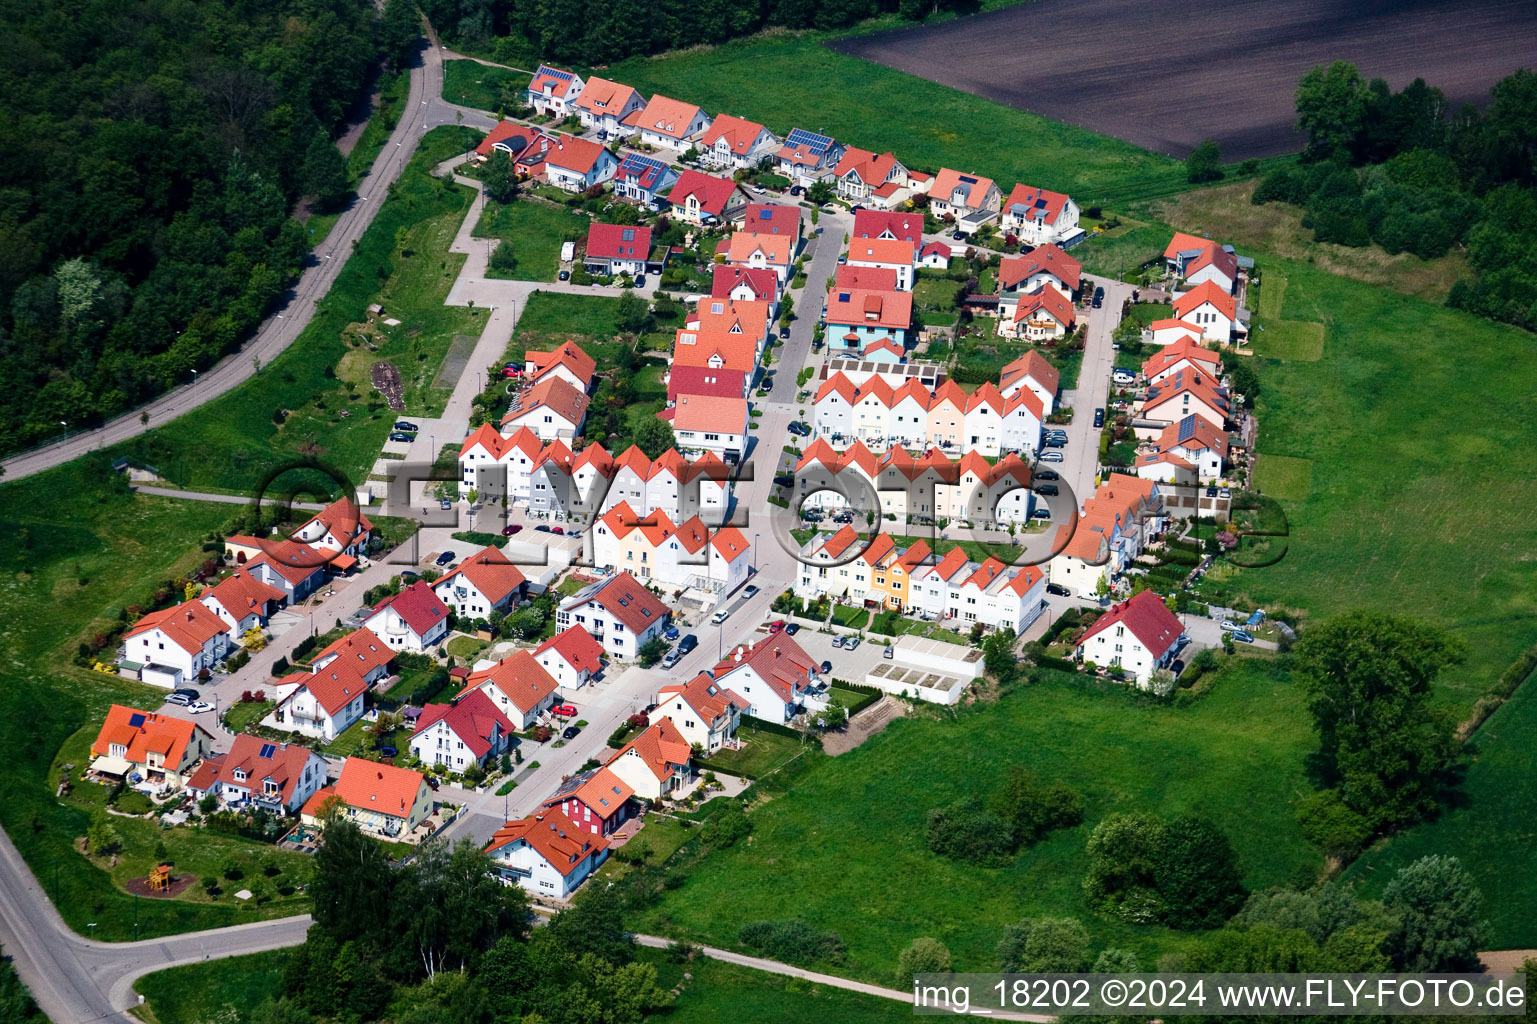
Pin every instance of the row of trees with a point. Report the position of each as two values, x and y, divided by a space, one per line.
1406 171
595 32
150 173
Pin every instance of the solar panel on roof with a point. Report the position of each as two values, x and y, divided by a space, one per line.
135 720
968 179
811 140
1187 428
268 749
564 76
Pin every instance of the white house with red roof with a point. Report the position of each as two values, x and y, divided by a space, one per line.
807 157
935 256
1138 635
553 91
655 764
518 685
572 657
644 180
278 778
161 750
1184 354
576 164
1034 371
997 595
603 105
320 702
1023 417
339 527
568 361
363 651
860 172
1185 393
705 199
296 569
890 253
1210 309
175 645
1196 440
970 199
666 123
1044 267
701 380
596 800
470 730
736 144
705 423
1039 217
552 408
889 225
1197 260
775 675
705 713
615 249
1170 331
242 601
381 799
507 137
546 853
1046 315
484 583
412 620
746 284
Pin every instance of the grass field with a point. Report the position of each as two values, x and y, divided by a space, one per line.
241 715
1283 477
70 565
214 991
1289 339
230 442
1236 756
761 753
550 318
535 231
1490 827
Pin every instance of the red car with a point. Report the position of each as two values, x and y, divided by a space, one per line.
558 529
775 627
564 710
511 371
508 531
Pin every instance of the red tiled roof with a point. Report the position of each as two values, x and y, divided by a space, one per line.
702 380
567 354
362 649
381 788
525 682
417 605
492 573
947 182
1206 291
284 764
772 219
1146 617
907 227
659 747
1043 259
698 348
632 604
242 594
473 717
600 791
740 134
713 193
557 82
704 412
880 279
665 116
188 625
860 307
1035 204
154 733
708 698
882 250
1049 301
577 647
777 659
510 135
865 165
552 393
618 241
1185 348
1182 242
761 280
334 685
553 836
600 96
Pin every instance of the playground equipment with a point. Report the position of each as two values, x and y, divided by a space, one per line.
159 878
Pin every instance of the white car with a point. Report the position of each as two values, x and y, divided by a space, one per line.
1228 624
198 707
720 616
1051 456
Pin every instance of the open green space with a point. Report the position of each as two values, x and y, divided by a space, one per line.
783 78
1282 476
472 84
761 753
1489 826
534 230
70 566
237 718
393 89
1235 756
551 318
1289 339
316 399
213 991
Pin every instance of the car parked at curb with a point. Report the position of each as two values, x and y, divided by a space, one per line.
564 710
198 707
1058 590
1051 456
445 558
1243 636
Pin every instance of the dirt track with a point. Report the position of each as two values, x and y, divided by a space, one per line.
1166 77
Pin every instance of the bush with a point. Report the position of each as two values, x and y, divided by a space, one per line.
922 956
791 941
969 833
1034 808
726 828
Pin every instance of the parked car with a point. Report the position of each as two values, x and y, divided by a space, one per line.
640 282
750 591
672 633
445 558
672 658
197 707
850 643
570 733
1052 456
541 528
720 616
1058 590
688 643
1049 490
1243 636
959 236
784 332
796 190
511 528
838 642
564 710
188 692
565 275
777 626
1041 513
799 429
398 436
1048 474
559 531
792 629
179 699
889 652
1099 297
445 504
1228 624
406 425
1054 442
1099 417
432 782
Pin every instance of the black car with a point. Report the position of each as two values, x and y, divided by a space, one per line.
432 783
1099 297
188 692
688 643
1047 474
784 332
1099 417
1058 590
640 282
792 629
565 275
959 236
398 436
796 190
1050 490
570 732
406 425
542 528
445 558
1054 442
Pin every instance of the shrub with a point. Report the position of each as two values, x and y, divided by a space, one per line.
922 956
969 833
1034 808
726 828
791 941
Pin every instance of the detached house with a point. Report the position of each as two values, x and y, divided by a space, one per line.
547 854
1138 635
553 91
572 657
603 105
1040 217
860 173
732 143
412 620
341 529
900 227
970 199
568 361
806 157
656 763
705 714
886 253
296 569
551 408
1210 308
1045 266
1198 442
1198 260
596 801
856 317
469 730
1184 354
278 778
746 284
1046 315
774 253
381 799
363 651
703 199
507 137
518 686
774 675
242 601
643 180
321 702
1185 393
773 219
159 749
614 249
175 645
667 123
482 584
576 165
703 423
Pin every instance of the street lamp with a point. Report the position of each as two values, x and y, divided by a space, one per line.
755 553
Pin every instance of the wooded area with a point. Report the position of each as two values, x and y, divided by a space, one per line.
154 154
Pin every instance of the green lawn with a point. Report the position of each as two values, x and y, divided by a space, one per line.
1235 756
217 990
70 566
550 318
852 616
465 648
761 753
719 991
535 231
1283 477
241 715
229 443
785 79
471 84
1489 828
1289 339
